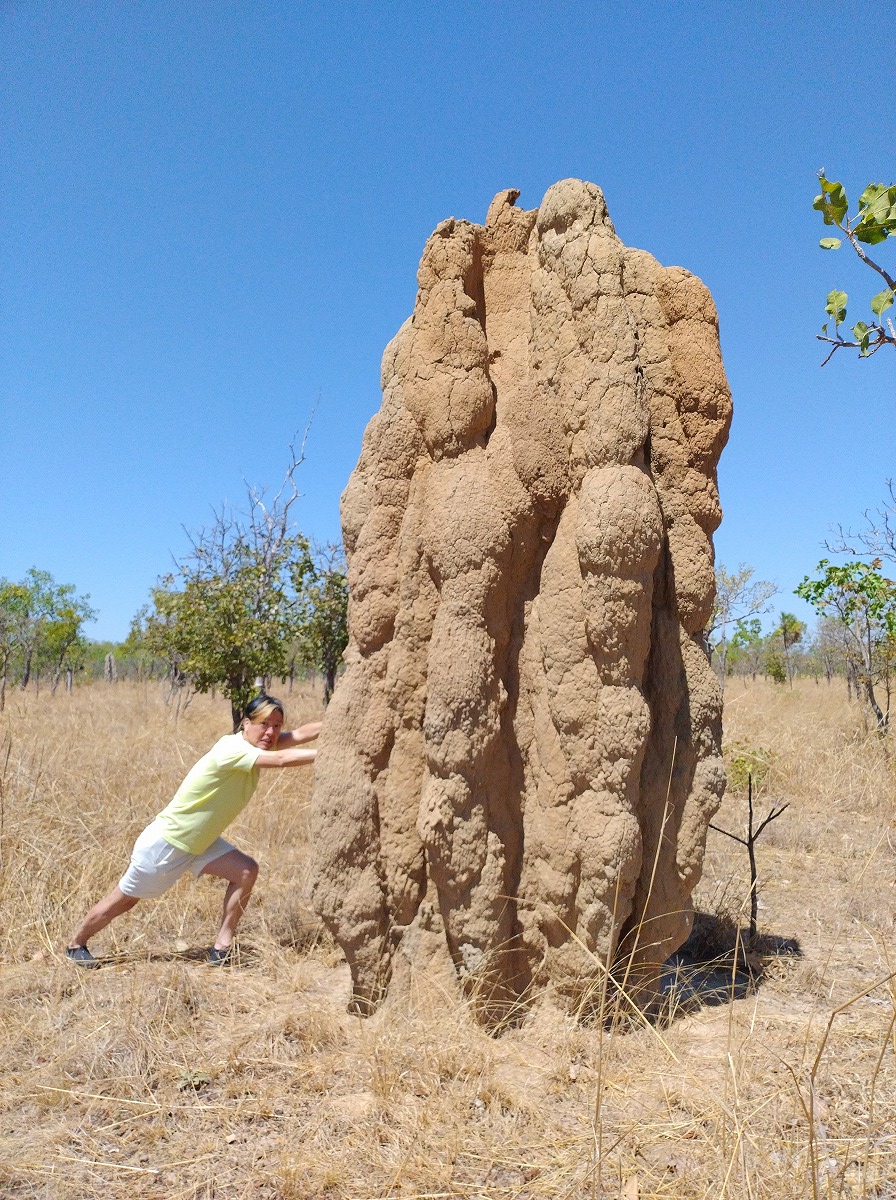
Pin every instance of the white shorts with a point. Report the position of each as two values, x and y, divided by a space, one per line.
156 865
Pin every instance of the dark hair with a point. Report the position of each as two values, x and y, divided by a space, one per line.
261 704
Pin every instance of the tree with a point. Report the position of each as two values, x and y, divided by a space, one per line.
753 833
747 647
738 598
228 613
874 222
38 614
830 642
773 662
159 634
864 603
40 627
324 621
878 540
14 599
65 647
790 631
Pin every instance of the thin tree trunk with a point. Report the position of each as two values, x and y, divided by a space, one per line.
723 661
874 706
57 675
868 681
754 874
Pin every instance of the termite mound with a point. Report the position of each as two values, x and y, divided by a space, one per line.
523 754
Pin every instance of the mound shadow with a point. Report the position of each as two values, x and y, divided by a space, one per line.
719 963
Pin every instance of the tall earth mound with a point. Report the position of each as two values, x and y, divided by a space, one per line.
524 752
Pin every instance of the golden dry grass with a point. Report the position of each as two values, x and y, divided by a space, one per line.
158 1077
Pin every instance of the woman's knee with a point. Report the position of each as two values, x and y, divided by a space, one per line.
235 866
249 870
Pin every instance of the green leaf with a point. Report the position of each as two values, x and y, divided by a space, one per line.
881 206
871 233
871 193
836 306
882 301
877 209
861 334
830 243
832 203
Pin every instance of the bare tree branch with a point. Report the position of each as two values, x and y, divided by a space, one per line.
877 539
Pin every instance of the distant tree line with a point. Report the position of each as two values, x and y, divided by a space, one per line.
855 636
255 601
787 651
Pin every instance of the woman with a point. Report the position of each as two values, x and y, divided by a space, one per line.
186 836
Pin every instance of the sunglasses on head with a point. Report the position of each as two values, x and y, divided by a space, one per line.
262 701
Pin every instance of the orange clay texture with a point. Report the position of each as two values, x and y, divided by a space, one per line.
519 766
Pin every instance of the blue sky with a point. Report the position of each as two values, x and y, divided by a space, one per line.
215 213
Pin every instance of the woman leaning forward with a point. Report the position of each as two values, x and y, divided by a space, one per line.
186 835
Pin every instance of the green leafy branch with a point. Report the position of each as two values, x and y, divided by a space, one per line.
852 591
874 222
863 601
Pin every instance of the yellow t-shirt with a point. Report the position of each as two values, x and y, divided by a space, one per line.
214 793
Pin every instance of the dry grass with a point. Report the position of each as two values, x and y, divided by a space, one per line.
157 1077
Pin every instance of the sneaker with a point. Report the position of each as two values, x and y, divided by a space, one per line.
220 958
80 956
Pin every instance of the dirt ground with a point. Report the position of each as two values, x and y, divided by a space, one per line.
157 1076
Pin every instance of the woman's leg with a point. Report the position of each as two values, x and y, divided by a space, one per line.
240 871
100 915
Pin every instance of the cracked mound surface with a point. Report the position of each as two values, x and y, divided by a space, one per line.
521 760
